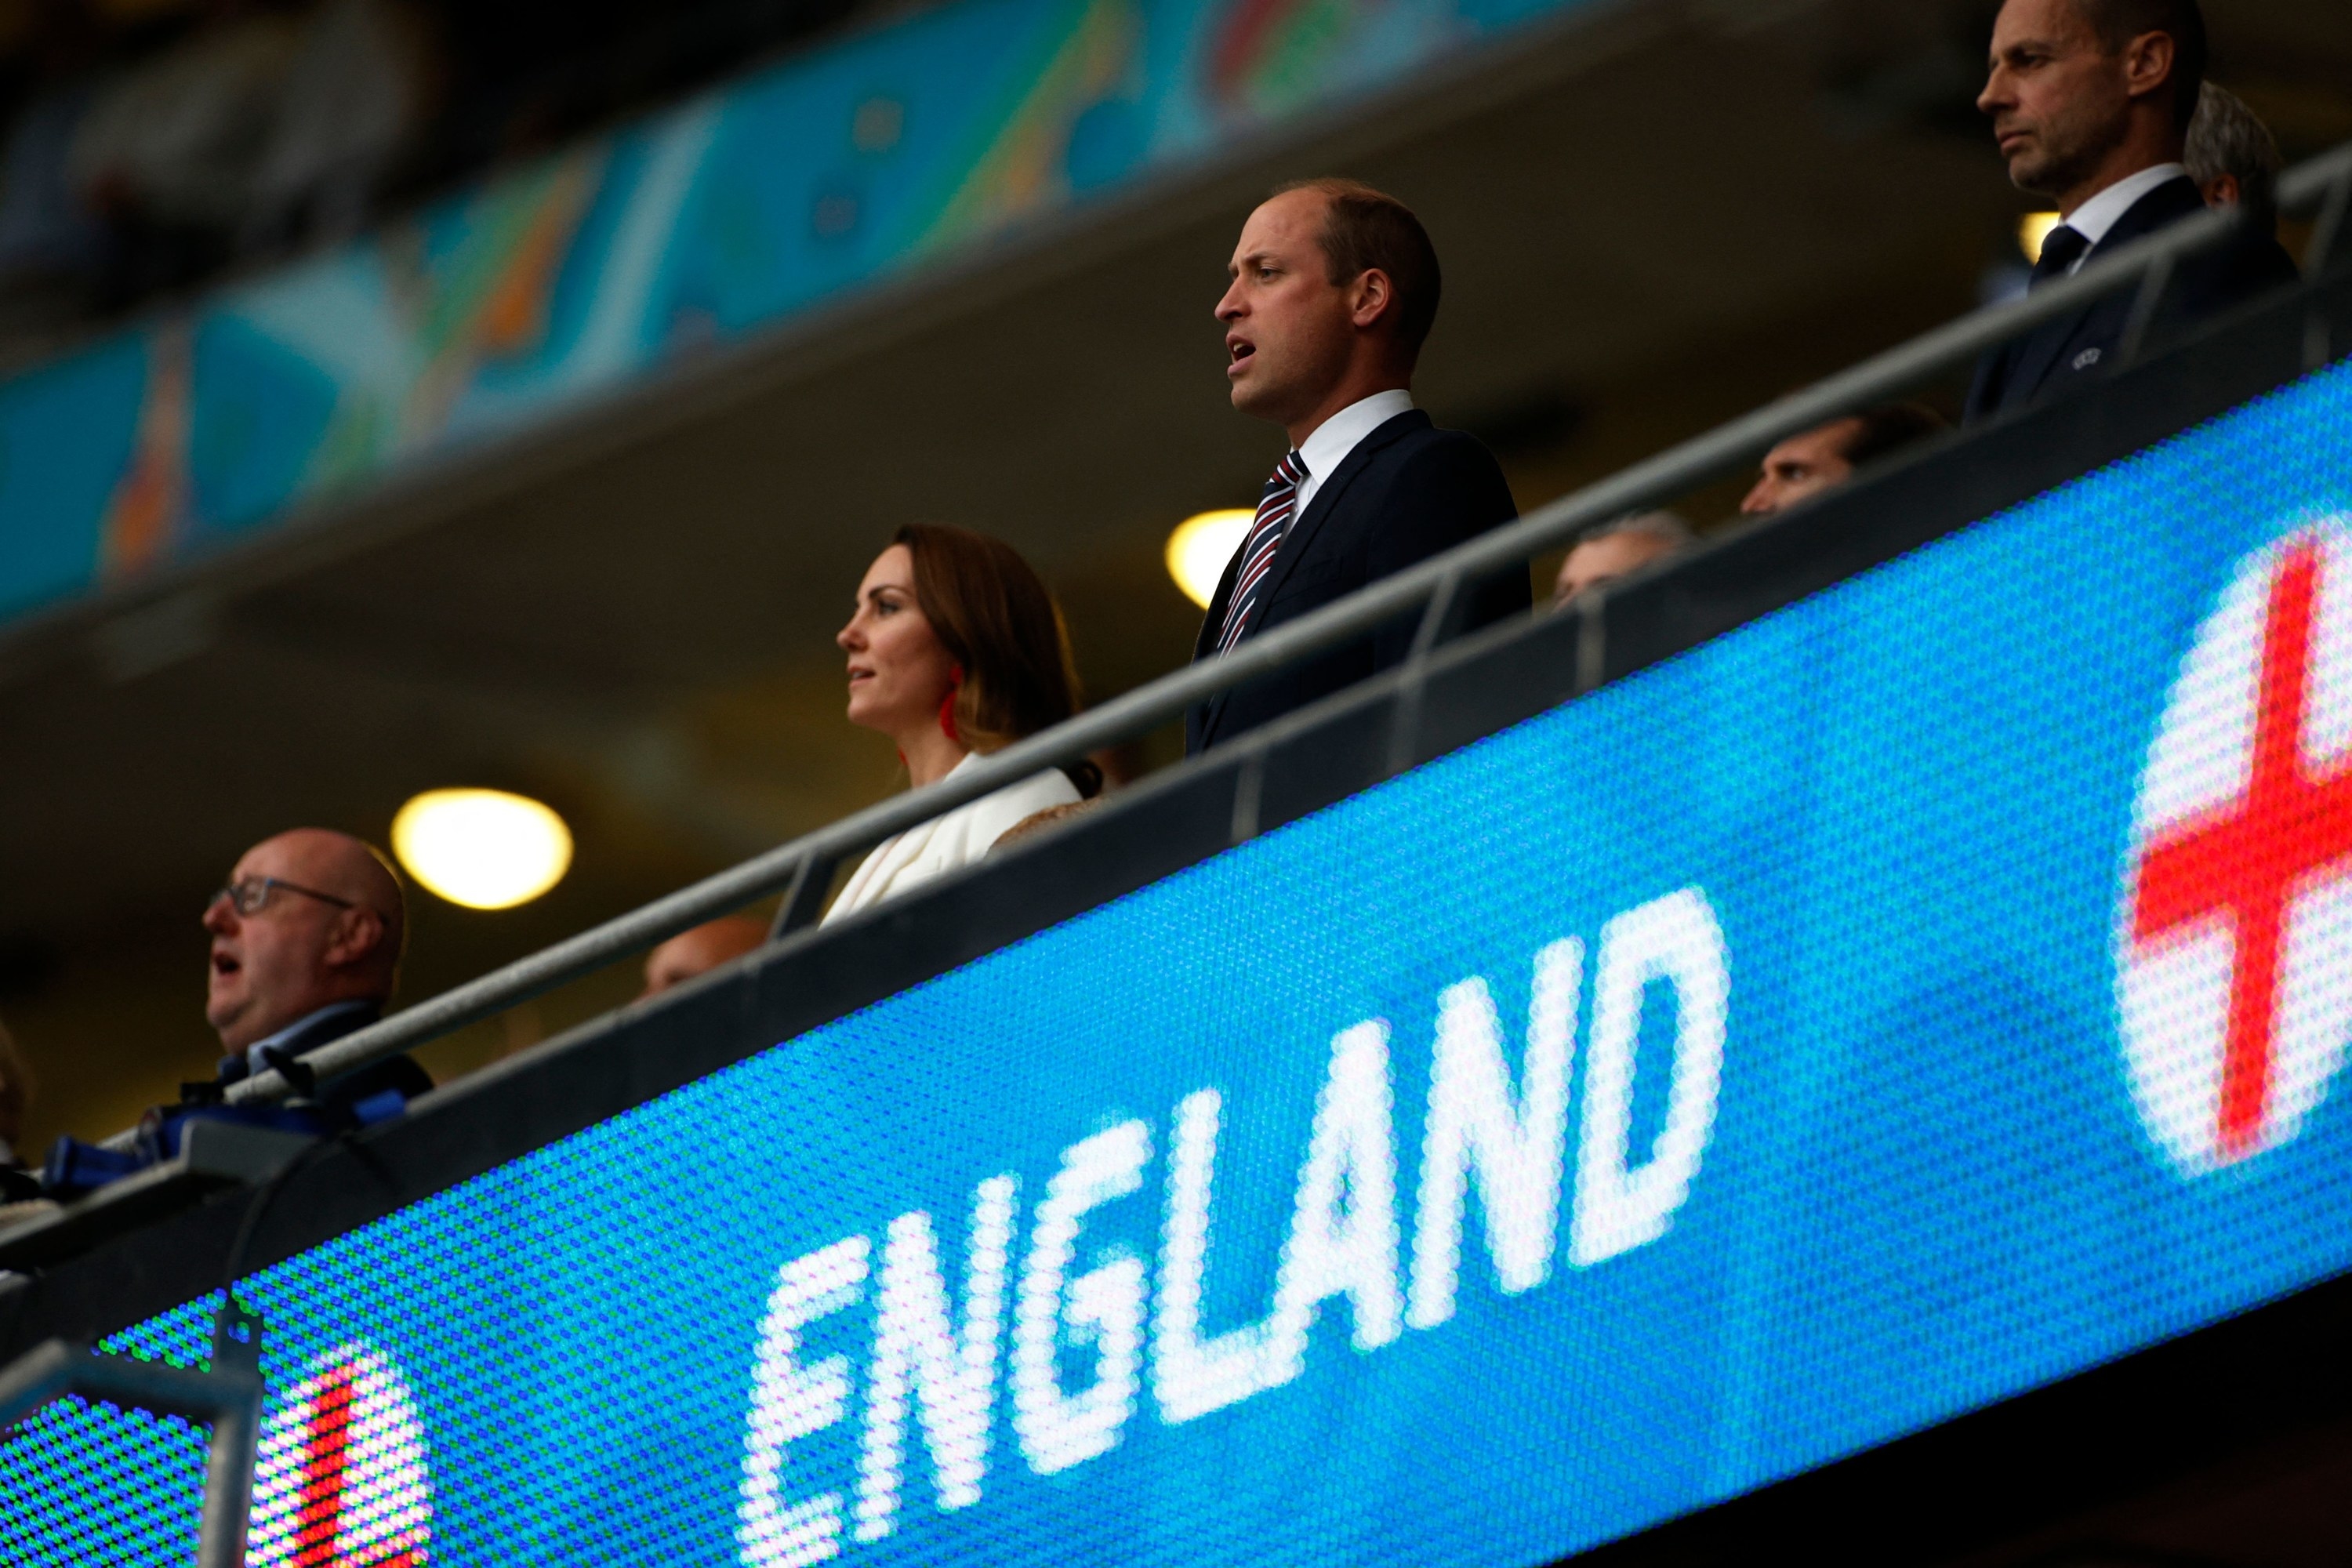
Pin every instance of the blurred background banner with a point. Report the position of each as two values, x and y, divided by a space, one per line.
496 308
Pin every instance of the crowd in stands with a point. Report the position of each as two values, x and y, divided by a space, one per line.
955 648
152 144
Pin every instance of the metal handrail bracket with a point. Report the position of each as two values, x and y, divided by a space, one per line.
228 1396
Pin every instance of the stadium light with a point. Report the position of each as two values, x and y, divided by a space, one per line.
2031 230
483 848
1199 549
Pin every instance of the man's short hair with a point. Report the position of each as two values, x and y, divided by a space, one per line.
2228 138
1890 427
2115 23
1666 527
1364 229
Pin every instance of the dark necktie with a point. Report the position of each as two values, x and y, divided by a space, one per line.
1274 508
2060 249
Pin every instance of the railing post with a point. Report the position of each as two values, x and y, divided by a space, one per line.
1404 712
1591 640
228 1461
2328 231
2154 285
1249 782
228 1396
803 899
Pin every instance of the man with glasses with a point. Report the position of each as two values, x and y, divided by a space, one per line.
306 948
307 940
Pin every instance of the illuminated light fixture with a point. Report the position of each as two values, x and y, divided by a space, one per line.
2031 230
1199 549
483 848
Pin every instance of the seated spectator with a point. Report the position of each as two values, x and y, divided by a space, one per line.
956 649
353 98
307 940
1825 456
53 249
166 152
1615 549
306 949
694 953
2232 156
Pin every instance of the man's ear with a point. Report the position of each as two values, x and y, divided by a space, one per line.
358 933
2147 63
1370 297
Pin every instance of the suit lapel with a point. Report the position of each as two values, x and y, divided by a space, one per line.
2041 354
1301 537
1295 544
1205 643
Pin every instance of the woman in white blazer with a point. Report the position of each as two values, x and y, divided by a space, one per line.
956 649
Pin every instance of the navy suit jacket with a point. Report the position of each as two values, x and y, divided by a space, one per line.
337 1095
1407 492
2072 350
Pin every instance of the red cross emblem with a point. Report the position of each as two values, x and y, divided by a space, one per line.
2236 942
339 1477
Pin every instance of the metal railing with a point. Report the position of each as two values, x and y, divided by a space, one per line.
227 1397
802 870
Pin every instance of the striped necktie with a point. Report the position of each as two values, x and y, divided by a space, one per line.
2060 248
1274 512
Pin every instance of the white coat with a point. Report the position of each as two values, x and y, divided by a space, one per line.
962 836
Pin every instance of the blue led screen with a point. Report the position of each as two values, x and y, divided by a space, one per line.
1919 995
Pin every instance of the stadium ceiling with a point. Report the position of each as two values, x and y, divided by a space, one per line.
1652 220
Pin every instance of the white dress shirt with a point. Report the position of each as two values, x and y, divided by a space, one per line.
2095 218
1331 441
945 843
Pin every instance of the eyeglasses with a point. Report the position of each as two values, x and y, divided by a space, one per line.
252 896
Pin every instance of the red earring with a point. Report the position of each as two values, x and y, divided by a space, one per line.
947 705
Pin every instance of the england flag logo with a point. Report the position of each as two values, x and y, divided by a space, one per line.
2233 944
338 1477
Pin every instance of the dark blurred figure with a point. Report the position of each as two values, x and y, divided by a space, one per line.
1334 289
307 940
56 253
2232 156
699 951
1616 549
267 125
2091 101
1825 456
15 1098
17 1184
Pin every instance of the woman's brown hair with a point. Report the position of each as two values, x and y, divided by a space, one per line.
998 621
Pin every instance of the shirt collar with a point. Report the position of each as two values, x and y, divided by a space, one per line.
332 1010
1328 445
2094 217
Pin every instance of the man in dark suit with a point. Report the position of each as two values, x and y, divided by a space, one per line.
1334 289
306 948
2091 101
